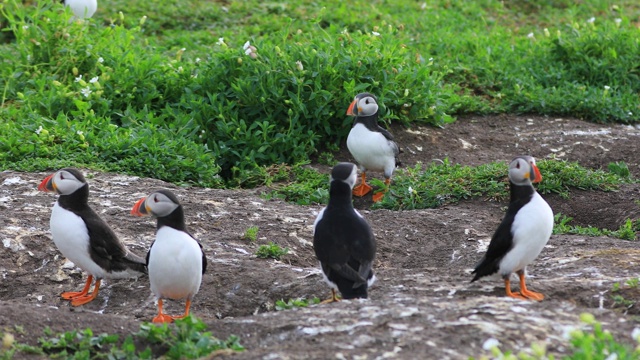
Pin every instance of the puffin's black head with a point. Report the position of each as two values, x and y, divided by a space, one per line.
345 172
364 104
523 171
161 203
64 182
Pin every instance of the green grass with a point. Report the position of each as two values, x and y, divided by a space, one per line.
186 339
271 251
591 342
295 303
627 231
434 185
171 101
251 233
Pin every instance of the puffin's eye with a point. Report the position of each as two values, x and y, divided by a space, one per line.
518 165
155 199
61 176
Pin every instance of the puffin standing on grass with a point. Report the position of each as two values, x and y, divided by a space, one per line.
84 238
370 145
82 9
343 240
523 232
176 260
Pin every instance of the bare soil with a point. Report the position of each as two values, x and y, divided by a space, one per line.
422 305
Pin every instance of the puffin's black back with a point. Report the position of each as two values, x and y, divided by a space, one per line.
343 241
502 240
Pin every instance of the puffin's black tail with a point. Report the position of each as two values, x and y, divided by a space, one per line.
485 268
348 291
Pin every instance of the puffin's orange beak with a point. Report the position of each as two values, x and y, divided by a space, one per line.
139 208
47 184
350 109
537 176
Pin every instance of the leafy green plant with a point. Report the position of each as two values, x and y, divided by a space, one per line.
186 339
295 303
272 250
251 233
562 226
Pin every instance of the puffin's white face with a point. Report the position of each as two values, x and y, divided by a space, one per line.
523 171
159 204
65 183
366 106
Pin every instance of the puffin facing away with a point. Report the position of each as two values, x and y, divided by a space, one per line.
370 145
343 240
82 9
523 232
84 238
176 261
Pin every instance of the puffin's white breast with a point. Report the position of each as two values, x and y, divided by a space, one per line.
82 9
371 149
175 265
71 236
531 229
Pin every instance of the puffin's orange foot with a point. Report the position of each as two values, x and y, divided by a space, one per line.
517 295
333 298
362 189
163 318
378 196
81 300
70 295
532 295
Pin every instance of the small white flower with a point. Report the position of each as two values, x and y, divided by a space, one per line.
100 60
86 91
197 60
39 130
410 190
618 21
183 49
180 69
607 87
613 356
635 334
591 20
94 80
530 35
490 344
79 132
630 113
299 65
220 41
79 78
423 6
246 45
375 33
248 52
25 27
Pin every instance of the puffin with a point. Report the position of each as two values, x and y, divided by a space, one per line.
370 145
84 238
82 9
343 240
523 232
175 259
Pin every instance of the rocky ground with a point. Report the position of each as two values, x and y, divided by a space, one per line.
422 305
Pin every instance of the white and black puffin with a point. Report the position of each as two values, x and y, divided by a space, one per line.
343 240
82 9
176 261
370 145
84 238
523 233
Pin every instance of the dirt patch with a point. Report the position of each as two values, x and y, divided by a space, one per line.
422 303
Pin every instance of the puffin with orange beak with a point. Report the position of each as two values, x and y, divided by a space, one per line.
84 238
175 260
522 234
370 145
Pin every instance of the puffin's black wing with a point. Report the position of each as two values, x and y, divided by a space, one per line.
104 247
500 244
204 258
